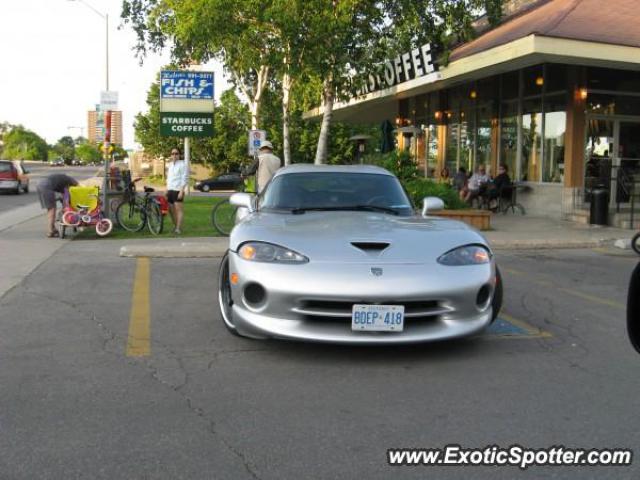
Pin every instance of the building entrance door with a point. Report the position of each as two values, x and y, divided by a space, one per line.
612 155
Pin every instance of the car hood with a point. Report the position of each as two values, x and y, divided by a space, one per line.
330 236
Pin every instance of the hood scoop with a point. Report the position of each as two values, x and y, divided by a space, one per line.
371 247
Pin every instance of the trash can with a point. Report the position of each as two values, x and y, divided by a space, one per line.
599 206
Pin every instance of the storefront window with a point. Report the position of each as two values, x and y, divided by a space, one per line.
509 136
531 150
453 144
555 79
532 80
483 135
510 85
431 149
554 135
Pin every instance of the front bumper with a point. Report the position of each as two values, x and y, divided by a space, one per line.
312 302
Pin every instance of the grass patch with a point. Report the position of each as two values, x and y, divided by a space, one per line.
197 223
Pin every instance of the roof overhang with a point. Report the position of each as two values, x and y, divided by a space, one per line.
524 52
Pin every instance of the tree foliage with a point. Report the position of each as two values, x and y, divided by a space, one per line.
22 144
65 148
87 152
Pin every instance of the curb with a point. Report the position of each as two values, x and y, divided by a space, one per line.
182 250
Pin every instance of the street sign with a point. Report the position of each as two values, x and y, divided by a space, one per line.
186 85
256 137
108 101
183 124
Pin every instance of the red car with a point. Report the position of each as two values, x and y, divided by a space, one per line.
13 176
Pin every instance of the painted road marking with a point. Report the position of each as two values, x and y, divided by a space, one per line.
507 326
138 341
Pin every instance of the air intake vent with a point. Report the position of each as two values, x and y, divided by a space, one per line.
370 246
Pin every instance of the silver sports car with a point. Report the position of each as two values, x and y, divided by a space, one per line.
338 254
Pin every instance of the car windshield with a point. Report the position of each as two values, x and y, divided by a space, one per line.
5 167
301 192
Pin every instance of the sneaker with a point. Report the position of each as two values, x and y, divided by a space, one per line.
177 231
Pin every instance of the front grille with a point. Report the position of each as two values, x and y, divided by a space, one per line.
324 310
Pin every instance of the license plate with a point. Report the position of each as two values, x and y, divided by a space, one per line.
7 183
377 318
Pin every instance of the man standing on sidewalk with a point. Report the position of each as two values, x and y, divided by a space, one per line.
265 167
177 181
47 189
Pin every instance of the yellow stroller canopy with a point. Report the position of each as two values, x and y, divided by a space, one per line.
81 197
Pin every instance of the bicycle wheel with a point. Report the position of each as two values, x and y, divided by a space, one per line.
155 219
131 216
223 217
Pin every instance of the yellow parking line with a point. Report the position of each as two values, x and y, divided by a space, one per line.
585 296
592 298
530 329
138 342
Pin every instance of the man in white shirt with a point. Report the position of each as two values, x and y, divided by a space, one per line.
177 181
267 165
476 183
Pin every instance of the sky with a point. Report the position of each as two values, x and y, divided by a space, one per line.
52 66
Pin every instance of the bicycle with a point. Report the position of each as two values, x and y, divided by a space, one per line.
135 211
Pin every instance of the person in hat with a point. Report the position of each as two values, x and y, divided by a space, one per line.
265 167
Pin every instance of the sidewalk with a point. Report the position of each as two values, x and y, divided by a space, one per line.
509 232
524 231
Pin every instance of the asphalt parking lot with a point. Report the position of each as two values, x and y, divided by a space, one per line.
201 403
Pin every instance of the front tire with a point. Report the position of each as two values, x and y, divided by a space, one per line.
131 216
206 188
496 302
104 227
225 302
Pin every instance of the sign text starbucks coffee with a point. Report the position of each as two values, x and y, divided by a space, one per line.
408 66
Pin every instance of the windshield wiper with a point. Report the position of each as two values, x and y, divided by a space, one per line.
361 208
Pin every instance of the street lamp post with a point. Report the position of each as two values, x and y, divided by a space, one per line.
107 138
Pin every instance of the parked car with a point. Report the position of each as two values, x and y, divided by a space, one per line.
13 176
58 162
228 181
338 254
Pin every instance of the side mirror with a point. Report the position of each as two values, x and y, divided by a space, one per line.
242 200
431 204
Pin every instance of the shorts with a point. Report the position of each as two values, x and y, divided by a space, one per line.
172 197
46 195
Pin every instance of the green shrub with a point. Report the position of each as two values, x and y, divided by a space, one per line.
418 188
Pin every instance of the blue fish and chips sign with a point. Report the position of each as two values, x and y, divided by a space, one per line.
186 103
186 85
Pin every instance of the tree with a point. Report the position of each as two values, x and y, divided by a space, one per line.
199 30
87 153
65 148
22 144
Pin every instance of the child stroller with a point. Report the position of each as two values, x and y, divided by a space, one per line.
81 207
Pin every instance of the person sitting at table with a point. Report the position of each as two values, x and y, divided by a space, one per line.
460 179
498 186
444 176
476 185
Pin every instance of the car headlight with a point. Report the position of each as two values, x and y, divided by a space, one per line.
467 255
269 253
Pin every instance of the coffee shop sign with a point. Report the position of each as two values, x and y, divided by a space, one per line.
405 67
